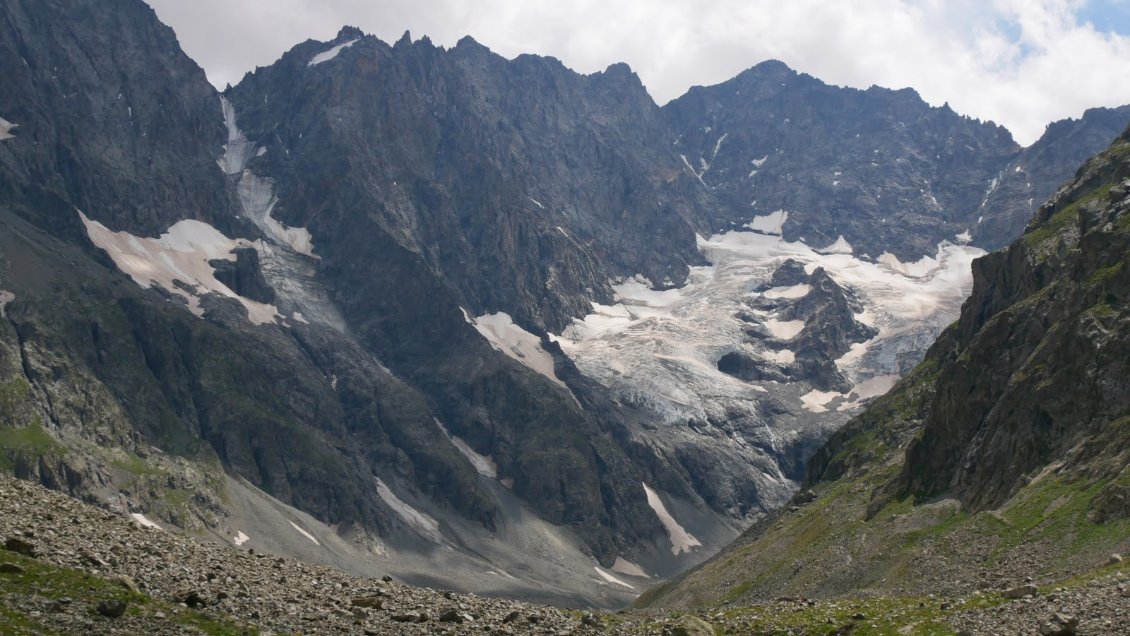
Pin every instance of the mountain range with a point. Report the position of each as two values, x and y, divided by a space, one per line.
485 322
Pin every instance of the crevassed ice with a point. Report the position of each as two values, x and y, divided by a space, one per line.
663 346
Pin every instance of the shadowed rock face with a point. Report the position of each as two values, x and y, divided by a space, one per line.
1040 343
244 276
111 115
520 184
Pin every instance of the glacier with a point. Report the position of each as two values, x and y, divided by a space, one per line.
658 350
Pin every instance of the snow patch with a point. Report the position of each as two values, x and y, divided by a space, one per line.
697 174
784 356
839 246
6 129
624 566
144 521
875 387
181 254
717 147
304 533
415 519
611 579
772 223
5 298
681 540
816 400
484 464
327 55
784 329
791 291
240 538
993 183
505 336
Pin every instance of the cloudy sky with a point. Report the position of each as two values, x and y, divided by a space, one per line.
1021 63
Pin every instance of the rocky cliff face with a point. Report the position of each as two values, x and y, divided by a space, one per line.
432 299
880 168
1002 457
1038 350
100 93
522 185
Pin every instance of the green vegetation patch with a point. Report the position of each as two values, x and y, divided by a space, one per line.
13 395
880 615
1052 227
1055 511
81 592
137 466
26 442
1101 276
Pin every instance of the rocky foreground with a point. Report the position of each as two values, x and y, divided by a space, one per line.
68 567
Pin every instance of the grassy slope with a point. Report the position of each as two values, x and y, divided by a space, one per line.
53 587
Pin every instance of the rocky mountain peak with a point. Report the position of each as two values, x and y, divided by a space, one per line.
622 72
348 32
468 44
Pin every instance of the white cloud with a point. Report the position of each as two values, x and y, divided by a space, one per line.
1022 63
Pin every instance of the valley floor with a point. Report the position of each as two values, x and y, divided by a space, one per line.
67 567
